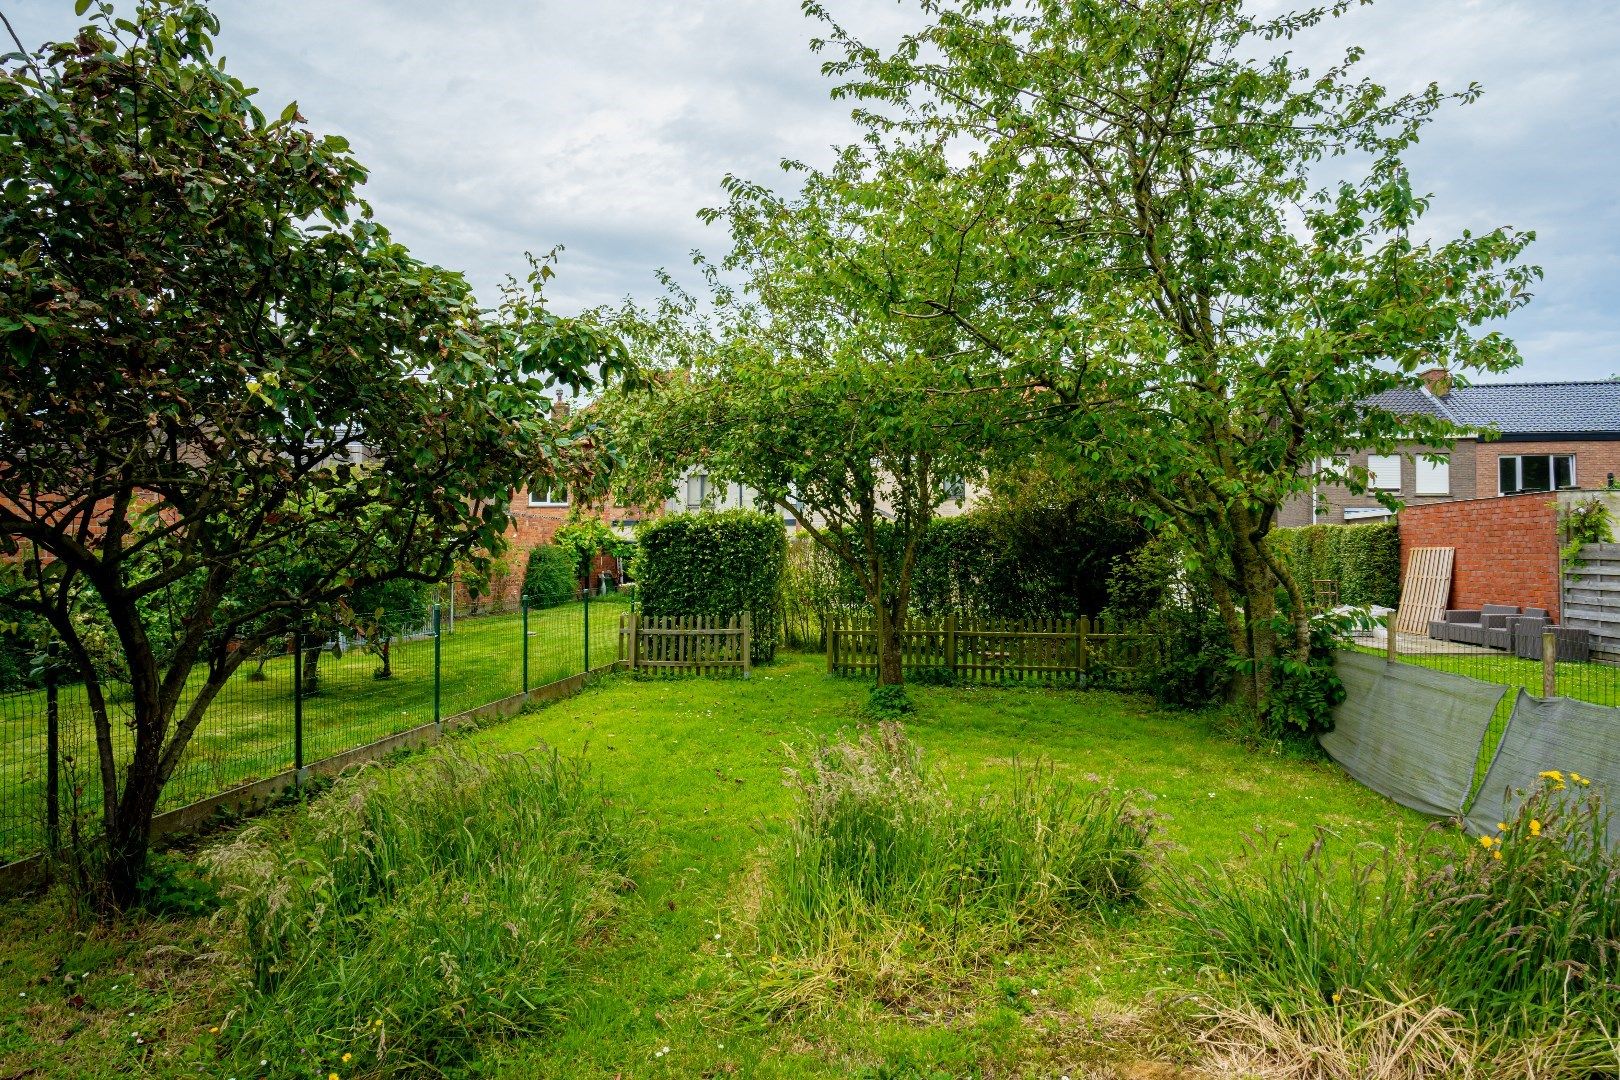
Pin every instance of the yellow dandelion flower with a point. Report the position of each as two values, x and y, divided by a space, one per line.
1497 855
332 1076
1535 827
1579 779
1336 999
1552 774
345 1058
1501 826
1486 841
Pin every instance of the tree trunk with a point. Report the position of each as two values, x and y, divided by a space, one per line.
890 671
312 675
128 830
387 669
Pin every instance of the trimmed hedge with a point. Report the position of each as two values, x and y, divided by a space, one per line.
1026 563
1365 560
716 564
552 575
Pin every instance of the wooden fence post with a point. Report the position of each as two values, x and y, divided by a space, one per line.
1390 638
950 644
635 640
748 644
1549 663
832 647
1082 653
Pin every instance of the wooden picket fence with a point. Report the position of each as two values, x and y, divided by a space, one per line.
1082 651
696 644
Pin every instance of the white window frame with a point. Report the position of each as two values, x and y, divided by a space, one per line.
699 481
1376 476
1436 470
542 496
1552 474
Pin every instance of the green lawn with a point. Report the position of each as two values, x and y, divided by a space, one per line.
248 731
701 762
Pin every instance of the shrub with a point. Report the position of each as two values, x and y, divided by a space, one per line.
414 911
1512 936
717 564
886 883
1365 560
551 576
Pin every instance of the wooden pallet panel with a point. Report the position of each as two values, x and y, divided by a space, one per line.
1426 588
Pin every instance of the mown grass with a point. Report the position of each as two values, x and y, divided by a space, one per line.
702 762
248 731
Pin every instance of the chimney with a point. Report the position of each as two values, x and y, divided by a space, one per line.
559 407
1438 380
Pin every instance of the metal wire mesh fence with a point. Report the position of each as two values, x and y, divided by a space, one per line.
286 708
1544 673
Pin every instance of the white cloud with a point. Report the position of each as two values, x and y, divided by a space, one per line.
494 126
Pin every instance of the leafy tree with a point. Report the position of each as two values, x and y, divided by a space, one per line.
200 319
1190 257
808 386
383 611
589 536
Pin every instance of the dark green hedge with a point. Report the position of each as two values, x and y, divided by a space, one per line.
551 577
1365 560
1028 563
714 563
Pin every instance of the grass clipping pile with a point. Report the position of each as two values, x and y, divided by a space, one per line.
1498 956
414 912
889 887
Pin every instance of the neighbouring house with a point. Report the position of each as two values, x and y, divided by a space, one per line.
1548 436
696 490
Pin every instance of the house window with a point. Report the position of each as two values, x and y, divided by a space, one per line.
548 493
697 490
1433 475
1384 472
1516 473
953 491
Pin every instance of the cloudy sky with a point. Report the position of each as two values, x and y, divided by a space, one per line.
492 127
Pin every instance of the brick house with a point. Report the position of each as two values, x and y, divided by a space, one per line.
1548 436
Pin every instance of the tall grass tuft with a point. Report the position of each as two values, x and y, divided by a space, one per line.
414 911
886 882
1509 944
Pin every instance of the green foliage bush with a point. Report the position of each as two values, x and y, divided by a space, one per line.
1365 560
717 564
414 911
1513 933
886 882
551 576
1022 562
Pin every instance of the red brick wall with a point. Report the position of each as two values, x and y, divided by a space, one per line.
1507 548
536 525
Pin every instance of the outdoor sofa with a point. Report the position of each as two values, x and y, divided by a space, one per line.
1505 627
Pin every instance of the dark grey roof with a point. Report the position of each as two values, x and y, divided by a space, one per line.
1407 402
1546 408
1521 409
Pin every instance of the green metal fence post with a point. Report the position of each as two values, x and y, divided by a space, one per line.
53 758
298 706
587 622
438 652
523 605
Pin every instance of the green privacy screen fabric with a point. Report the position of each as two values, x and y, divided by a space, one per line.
1570 736
1410 732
